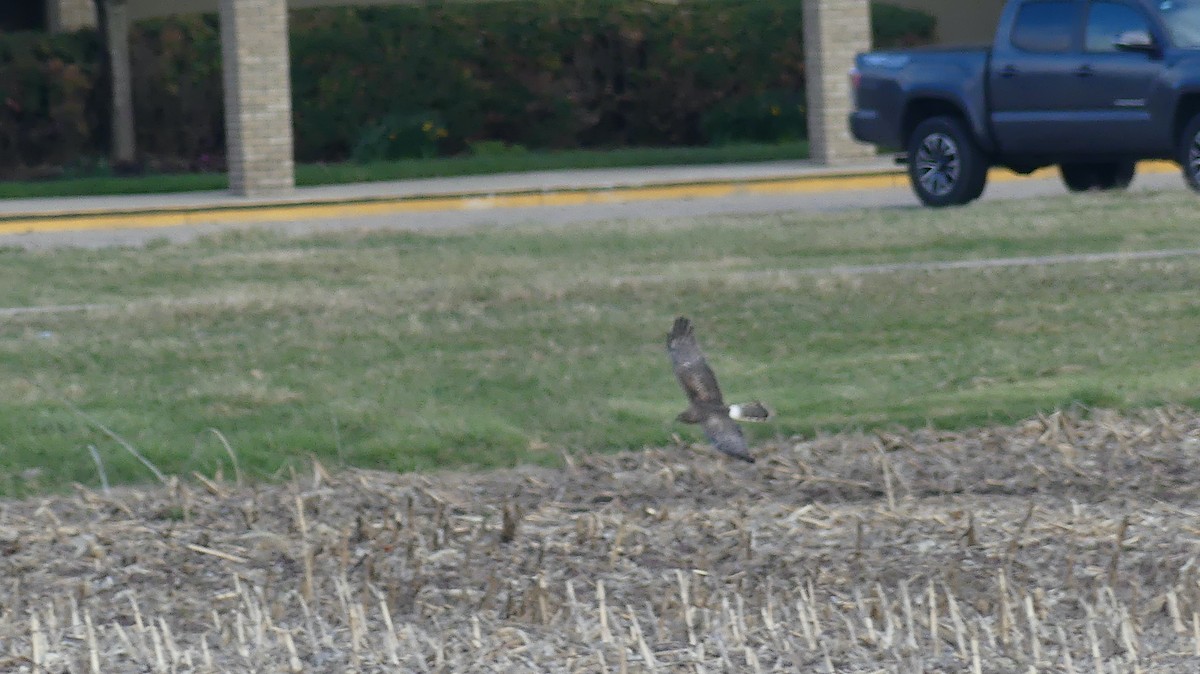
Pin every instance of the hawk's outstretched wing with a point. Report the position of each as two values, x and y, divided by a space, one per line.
693 372
727 437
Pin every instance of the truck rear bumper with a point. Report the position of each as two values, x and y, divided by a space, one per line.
867 126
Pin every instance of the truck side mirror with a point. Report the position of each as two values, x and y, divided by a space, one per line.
1136 40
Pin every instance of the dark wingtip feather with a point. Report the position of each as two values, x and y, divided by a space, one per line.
682 328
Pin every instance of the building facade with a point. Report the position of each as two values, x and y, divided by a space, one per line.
68 15
960 22
258 95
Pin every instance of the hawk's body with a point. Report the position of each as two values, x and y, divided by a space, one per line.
707 407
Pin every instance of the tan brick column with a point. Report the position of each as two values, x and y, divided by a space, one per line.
258 96
123 147
834 31
67 15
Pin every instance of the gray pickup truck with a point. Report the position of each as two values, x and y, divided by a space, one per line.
1089 85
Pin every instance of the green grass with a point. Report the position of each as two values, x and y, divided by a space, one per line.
330 174
492 347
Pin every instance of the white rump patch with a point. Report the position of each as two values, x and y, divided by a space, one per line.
735 413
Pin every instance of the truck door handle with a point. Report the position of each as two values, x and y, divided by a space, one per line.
1084 71
1008 72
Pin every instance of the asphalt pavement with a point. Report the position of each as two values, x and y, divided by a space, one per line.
551 197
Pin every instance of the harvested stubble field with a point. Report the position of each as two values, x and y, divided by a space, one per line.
1066 543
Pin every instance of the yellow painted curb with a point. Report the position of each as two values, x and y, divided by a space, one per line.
1149 166
282 212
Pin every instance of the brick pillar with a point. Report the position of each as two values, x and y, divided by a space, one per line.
63 16
834 31
258 96
123 148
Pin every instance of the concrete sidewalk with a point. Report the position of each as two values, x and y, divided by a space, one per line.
464 187
468 193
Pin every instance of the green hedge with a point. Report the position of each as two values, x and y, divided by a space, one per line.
379 82
178 94
50 112
558 73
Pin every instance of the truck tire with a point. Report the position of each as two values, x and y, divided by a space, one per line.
1189 153
1109 175
945 165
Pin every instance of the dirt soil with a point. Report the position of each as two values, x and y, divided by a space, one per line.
1062 544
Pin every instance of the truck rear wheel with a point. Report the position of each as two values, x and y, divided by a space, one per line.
1189 153
1108 175
945 165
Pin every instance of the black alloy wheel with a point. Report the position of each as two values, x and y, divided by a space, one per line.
946 167
1189 153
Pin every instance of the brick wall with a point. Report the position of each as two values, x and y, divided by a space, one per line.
258 105
834 31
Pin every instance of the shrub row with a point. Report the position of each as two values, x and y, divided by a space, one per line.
378 82
50 107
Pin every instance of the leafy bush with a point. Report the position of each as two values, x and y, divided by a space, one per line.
496 148
547 74
562 73
49 112
400 137
774 116
178 94
900 27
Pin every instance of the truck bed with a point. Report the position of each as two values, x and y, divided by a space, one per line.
889 78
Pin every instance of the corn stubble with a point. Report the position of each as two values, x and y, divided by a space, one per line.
1063 544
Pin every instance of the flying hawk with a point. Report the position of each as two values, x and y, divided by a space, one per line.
707 408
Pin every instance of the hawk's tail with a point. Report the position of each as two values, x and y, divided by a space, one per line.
751 411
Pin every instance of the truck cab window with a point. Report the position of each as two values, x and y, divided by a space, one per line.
1044 27
1107 20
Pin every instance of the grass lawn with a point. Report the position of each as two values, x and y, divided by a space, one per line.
329 174
492 347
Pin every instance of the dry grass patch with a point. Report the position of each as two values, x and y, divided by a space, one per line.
1059 544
